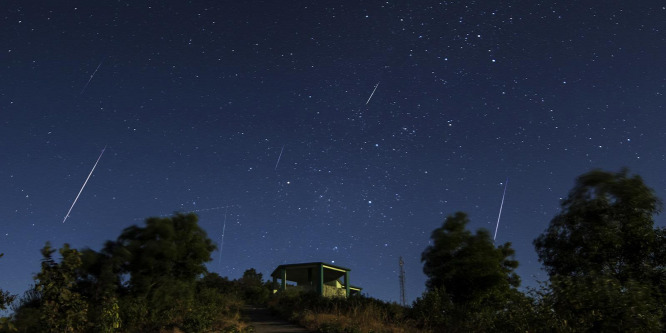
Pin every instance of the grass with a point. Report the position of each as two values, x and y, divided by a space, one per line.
339 315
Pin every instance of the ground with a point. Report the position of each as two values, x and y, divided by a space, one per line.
264 322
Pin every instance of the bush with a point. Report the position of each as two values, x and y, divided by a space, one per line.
355 314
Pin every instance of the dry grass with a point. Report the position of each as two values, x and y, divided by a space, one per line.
358 319
365 315
228 323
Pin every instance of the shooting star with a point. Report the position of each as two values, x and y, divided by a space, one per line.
84 185
279 157
91 77
373 92
501 205
224 226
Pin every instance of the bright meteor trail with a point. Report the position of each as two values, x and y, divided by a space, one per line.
373 92
501 205
91 77
224 226
279 157
84 185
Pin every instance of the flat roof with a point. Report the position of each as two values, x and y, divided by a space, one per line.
276 272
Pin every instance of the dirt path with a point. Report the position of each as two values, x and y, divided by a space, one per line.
264 322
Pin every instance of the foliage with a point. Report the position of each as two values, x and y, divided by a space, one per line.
5 299
107 317
99 281
467 265
165 250
218 283
163 261
605 258
471 283
150 279
600 303
26 311
254 289
354 314
62 309
498 310
214 310
432 308
606 226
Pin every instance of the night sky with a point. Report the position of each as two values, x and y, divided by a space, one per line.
257 116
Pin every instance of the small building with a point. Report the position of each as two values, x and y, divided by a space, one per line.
318 277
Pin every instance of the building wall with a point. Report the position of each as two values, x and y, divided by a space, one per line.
334 291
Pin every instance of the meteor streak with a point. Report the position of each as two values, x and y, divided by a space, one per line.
224 226
84 185
373 92
279 157
91 77
501 205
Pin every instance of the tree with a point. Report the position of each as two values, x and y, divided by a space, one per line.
606 226
220 284
255 290
431 310
600 303
173 248
163 261
5 299
62 309
100 282
471 284
605 258
467 265
150 279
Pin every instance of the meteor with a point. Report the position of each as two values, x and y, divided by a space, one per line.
84 185
501 205
224 226
279 157
373 92
91 77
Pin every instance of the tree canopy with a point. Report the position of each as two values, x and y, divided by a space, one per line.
173 248
62 309
467 265
606 225
148 279
604 256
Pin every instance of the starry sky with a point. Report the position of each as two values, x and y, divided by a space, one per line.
334 131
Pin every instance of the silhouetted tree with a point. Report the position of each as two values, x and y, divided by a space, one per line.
220 284
150 279
467 265
606 226
605 258
471 283
254 289
62 309
163 261
166 249
5 299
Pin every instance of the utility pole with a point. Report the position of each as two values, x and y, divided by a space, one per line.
402 283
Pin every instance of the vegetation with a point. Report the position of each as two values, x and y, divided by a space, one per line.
605 259
604 256
61 308
471 283
333 315
150 279
5 299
